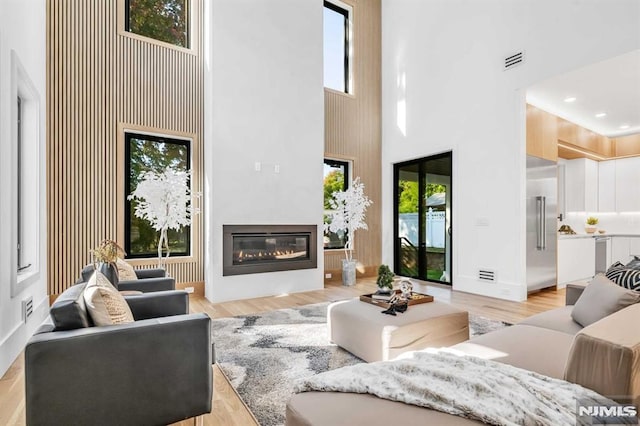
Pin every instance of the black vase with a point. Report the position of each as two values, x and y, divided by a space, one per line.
110 271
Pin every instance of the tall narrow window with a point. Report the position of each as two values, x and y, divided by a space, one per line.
337 18
163 20
22 264
152 153
336 178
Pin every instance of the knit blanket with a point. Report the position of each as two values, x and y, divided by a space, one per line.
470 387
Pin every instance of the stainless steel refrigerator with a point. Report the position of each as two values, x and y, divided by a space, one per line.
542 206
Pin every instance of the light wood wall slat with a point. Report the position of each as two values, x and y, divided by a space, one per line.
98 79
353 129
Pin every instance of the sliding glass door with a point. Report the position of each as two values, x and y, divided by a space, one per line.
422 211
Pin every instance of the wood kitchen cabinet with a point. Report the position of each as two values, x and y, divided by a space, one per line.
581 185
542 134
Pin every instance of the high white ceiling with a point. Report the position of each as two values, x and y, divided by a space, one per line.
611 86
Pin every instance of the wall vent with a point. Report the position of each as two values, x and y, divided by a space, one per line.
514 60
27 308
487 275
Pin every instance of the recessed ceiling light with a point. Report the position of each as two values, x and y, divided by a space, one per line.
601 114
624 126
570 99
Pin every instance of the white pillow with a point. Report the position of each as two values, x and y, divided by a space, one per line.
105 305
125 271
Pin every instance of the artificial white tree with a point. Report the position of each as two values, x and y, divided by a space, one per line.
348 213
165 201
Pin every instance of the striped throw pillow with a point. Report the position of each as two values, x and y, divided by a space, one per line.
624 277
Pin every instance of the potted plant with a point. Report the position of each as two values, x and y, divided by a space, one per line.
591 227
348 215
165 201
105 256
385 279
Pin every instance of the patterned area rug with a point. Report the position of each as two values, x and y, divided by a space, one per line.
263 355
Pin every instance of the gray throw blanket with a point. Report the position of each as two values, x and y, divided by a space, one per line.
479 389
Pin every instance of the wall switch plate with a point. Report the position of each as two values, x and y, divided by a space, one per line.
257 166
276 168
189 289
328 276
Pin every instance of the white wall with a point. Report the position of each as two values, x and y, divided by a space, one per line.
443 89
263 103
22 29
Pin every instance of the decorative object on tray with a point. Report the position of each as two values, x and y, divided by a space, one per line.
348 215
166 202
591 227
406 287
416 298
566 230
385 279
396 305
105 257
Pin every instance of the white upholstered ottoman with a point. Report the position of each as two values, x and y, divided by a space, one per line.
364 331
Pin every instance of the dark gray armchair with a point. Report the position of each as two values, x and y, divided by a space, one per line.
149 280
156 370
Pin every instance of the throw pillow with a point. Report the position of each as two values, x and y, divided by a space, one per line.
624 276
634 264
125 271
105 305
601 298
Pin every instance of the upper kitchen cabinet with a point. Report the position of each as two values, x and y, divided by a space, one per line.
542 134
607 186
577 142
627 145
627 184
581 185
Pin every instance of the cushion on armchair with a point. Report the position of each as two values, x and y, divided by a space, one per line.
125 271
69 311
105 305
600 299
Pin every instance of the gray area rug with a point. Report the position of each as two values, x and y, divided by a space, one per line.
263 355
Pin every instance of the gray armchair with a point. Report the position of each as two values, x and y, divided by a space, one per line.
149 280
156 370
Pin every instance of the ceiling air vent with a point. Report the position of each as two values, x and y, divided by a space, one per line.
514 60
487 275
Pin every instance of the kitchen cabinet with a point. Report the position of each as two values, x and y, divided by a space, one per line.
620 249
542 134
581 185
607 186
576 260
627 186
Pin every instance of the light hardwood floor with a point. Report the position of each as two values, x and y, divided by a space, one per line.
228 408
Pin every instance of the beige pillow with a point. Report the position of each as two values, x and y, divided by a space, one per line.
105 305
125 271
601 298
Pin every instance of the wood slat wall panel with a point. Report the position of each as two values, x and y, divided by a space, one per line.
353 129
99 81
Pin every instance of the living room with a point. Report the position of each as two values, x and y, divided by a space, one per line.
243 88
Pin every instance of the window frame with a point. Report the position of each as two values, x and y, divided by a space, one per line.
26 140
346 11
155 137
194 27
348 167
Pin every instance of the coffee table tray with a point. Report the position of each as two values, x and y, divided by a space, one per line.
416 299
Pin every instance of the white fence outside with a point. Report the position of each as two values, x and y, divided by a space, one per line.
436 228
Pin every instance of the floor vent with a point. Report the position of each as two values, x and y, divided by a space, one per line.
513 60
27 308
486 275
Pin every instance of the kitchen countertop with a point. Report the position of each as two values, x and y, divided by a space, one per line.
596 235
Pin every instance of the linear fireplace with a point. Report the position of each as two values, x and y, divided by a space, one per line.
251 249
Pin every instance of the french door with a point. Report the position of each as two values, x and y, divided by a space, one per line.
422 218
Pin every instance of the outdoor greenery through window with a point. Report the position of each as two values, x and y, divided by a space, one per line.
152 153
336 178
336 46
163 20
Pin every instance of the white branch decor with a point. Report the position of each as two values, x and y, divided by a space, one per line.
165 201
348 213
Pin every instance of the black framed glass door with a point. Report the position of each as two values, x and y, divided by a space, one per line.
422 218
